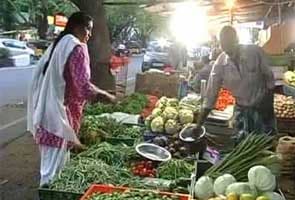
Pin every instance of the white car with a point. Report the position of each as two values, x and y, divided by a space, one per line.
16 46
13 59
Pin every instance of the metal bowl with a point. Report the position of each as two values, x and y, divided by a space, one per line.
153 152
186 134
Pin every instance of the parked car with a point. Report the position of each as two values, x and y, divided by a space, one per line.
16 46
156 56
9 58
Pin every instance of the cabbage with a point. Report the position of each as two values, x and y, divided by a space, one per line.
170 113
273 196
192 100
157 124
156 112
222 182
186 116
204 187
171 126
241 188
262 178
172 102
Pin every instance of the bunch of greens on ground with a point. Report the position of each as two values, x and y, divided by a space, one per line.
133 104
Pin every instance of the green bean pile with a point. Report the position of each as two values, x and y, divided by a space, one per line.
131 195
81 172
115 155
174 169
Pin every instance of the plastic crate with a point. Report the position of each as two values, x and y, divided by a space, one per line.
48 194
110 189
115 141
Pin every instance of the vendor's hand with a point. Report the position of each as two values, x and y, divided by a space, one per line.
78 148
113 99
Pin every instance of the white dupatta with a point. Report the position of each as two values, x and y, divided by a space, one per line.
46 96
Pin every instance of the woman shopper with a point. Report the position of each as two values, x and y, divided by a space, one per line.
60 87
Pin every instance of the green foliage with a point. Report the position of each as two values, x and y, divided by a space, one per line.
28 12
131 20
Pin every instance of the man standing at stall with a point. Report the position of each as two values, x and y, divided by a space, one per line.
243 70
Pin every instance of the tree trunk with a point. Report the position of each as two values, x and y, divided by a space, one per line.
43 23
99 45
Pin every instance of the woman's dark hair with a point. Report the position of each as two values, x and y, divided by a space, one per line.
77 19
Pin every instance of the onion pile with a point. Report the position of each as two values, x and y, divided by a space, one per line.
284 106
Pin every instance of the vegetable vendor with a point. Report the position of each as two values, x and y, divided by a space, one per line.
60 87
243 70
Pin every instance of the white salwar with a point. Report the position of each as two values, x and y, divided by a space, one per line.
46 107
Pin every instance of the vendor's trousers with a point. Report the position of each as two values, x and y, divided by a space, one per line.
259 119
52 161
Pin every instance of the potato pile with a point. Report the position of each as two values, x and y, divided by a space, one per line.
284 106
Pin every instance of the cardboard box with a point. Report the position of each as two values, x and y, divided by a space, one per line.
158 84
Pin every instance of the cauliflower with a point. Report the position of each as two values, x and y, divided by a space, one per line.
173 102
170 113
171 126
186 116
157 124
156 112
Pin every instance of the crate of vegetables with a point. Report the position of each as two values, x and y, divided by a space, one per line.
105 192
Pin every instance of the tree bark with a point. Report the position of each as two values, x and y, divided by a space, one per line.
43 23
99 45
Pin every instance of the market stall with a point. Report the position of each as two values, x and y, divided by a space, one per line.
112 167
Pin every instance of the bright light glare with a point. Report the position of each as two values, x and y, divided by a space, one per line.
189 24
162 42
230 3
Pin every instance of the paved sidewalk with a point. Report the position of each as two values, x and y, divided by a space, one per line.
19 169
12 123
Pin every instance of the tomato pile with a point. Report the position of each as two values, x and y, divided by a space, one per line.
224 99
144 169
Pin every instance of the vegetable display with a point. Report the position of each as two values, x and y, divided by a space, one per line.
284 106
144 169
115 155
174 169
81 172
204 187
260 185
262 178
133 104
170 115
252 151
224 99
131 195
107 127
289 77
221 183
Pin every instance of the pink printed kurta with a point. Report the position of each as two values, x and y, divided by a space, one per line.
78 90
